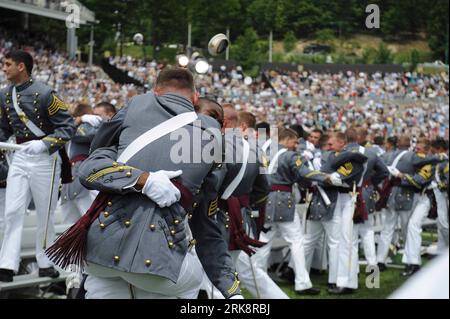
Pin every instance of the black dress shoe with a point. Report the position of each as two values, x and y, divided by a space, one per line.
316 272
341 291
308 292
6 275
288 274
410 270
407 270
382 267
331 286
48 272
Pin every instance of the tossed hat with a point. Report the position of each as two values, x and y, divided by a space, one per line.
218 44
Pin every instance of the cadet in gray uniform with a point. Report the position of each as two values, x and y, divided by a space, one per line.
334 212
413 172
137 244
235 214
38 118
313 155
439 147
376 172
75 199
396 148
254 185
286 168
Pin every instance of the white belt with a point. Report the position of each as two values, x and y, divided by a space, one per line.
274 161
155 133
237 180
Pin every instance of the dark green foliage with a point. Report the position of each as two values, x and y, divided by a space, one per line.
165 22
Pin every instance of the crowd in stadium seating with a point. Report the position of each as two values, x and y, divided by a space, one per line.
385 103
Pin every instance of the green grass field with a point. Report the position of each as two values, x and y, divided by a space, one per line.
390 280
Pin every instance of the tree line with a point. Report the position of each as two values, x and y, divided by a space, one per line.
163 22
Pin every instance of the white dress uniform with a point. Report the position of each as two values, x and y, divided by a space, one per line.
336 218
42 116
410 201
318 258
286 168
392 216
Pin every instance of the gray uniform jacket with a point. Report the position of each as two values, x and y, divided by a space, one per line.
134 234
389 157
43 107
376 171
350 166
419 173
254 184
291 169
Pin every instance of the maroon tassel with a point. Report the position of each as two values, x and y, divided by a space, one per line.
239 240
361 213
261 220
70 248
385 192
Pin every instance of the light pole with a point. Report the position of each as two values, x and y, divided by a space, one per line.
270 46
227 52
91 44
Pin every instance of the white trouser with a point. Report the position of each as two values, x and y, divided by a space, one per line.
107 283
292 233
319 258
29 177
73 209
367 234
314 232
348 264
390 221
414 230
442 220
256 280
2 208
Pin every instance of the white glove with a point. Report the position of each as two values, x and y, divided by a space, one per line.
160 189
93 120
310 146
255 213
336 180
34 147
317 163
73 280
433 185
394 171
308 155
236 297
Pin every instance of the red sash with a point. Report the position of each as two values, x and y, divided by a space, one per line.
239 240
